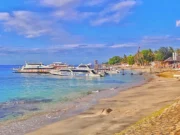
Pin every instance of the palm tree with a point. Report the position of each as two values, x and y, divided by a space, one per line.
139 58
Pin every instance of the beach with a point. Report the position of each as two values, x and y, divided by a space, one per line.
112 115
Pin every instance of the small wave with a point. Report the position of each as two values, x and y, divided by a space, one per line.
96 91
29 100
114 88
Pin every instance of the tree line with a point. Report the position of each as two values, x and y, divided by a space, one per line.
144 57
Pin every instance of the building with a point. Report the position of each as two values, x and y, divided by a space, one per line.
171 63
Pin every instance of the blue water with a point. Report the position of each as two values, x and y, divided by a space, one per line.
24 93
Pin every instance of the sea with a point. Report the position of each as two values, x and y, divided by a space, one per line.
23 95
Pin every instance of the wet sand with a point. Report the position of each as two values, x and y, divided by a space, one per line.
112 115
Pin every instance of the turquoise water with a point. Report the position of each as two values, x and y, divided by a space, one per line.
21 94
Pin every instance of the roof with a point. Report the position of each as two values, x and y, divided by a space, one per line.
170 59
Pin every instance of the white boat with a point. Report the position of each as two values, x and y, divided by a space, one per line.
81 70
84 67
61 72
33 68
92 73
113 72
103 73
177 76
177 69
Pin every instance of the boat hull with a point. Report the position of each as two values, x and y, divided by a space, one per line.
45 71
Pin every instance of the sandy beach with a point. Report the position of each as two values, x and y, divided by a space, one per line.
112 115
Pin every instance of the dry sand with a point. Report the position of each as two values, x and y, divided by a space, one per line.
166 121
114 114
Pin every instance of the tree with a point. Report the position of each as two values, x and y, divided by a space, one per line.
148 56
138 58
114 60
130 60
159 56
124 59
163 53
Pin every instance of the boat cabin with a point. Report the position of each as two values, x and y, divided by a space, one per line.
84 66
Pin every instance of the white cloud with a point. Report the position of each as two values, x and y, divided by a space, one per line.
50 49
178 23
71 14
4 16
164 40
123 45
77 46
115 12
57 3
144 42
95 2
62 48
25 23
155 39
33 24
71 3
67 9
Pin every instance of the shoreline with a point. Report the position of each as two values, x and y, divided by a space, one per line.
26 124
127 107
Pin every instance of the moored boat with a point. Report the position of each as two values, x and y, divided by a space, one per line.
113 72
33 68
81 70
61 72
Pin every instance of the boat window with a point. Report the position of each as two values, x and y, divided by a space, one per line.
83 66
93 72
83 71
34 64
65 70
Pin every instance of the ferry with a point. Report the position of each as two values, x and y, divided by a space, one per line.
81 70
34 68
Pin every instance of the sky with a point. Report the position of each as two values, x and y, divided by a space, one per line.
81 31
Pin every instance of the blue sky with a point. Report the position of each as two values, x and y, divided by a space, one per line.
80 31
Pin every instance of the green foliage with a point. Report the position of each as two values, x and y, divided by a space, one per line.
144 57
125 60
148 55
130 60
163 53
114 60
139 58
159 56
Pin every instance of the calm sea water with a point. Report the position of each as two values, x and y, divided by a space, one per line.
21 94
